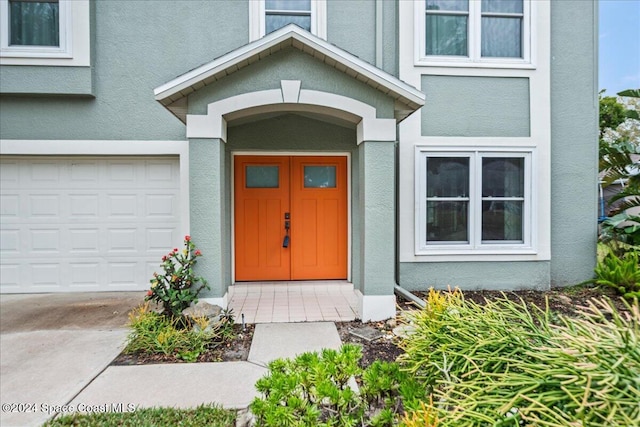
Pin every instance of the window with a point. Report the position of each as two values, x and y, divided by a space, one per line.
42 32
474 31
279 13
473 200
267 16
35 27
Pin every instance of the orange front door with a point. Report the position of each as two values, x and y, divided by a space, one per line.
310 193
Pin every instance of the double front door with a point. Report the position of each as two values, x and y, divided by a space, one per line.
290 217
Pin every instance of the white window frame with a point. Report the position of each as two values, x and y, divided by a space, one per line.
257 22
474 40
74 48
475 244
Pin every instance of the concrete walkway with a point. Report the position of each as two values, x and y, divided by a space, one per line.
55 352
230 384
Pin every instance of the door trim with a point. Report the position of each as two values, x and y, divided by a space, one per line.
289 153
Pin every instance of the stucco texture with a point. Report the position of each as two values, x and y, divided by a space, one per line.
475 106
475 275
135 49
290 64
574 141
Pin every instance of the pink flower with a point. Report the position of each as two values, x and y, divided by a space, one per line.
175 250
197 252
187 238
149 292
164 257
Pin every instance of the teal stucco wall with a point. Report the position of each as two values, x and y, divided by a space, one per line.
475 106
135 49
475 275
291 64
574 141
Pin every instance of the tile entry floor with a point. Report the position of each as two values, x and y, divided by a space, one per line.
308 301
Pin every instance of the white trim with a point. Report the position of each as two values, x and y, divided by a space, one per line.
475 245
214 123
372 308
284 154
11 147
410 135
257 13
474 58
295 36
75 39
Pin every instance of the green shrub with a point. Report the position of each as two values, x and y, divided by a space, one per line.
503 365
314 390
621 273
153 333
177 287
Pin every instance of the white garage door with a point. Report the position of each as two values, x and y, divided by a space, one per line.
86 224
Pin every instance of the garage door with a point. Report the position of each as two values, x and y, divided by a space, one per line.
86 224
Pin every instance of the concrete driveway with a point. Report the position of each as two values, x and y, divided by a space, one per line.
53 345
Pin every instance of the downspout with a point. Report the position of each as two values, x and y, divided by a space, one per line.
409 296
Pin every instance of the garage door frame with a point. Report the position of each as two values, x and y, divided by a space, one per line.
130 149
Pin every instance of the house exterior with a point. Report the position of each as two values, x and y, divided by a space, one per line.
411 143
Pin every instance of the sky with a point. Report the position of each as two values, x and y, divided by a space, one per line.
619 50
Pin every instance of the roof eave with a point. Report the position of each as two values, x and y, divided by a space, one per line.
199 77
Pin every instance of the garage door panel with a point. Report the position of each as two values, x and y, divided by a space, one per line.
10 241
161 206
85 274
160 240
86 224
9 206
84 241
83 206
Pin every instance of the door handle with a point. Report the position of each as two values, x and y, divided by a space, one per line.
287 225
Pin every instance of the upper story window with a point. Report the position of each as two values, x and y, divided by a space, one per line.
34 23
266 16
279 13
44 32
474 31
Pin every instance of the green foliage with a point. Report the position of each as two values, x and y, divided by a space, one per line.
633 93
501 364
620 272
153 333
622 230
612 113
178 286
314 390
204 415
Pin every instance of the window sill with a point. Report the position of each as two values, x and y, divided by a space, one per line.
448 251
465 63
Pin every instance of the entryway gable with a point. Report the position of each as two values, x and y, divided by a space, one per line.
172 95
290 98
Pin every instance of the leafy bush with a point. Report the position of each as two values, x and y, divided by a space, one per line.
178 286
153 333
621 273
314 389
503 365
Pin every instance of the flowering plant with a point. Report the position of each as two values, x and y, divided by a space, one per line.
177 287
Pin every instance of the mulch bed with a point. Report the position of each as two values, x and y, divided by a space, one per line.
561 301
233 350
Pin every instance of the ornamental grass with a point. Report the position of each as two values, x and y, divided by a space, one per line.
504 364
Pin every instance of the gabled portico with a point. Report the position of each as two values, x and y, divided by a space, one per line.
291 94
